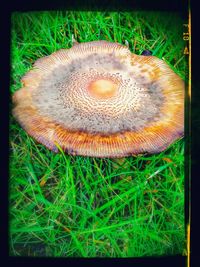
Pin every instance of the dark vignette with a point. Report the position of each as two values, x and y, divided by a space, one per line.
176 6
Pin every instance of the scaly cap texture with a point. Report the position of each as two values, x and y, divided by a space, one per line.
99 99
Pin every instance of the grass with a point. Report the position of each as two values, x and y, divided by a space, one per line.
65 206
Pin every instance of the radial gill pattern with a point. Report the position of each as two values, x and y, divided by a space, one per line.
99 99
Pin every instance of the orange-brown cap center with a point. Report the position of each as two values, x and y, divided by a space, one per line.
103 88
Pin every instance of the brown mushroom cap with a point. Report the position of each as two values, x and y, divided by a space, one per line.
99 99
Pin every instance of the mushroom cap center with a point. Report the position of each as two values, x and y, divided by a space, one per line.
103 88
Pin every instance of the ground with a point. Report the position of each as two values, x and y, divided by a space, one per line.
61 205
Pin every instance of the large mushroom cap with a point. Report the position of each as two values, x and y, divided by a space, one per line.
99 99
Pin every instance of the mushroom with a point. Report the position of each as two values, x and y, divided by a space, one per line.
99 99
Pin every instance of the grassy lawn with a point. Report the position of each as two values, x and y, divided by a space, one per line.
65 206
